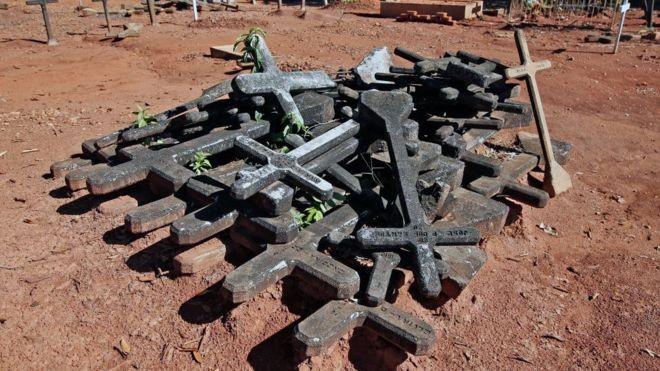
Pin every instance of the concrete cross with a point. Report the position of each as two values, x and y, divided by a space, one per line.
391 109
288 165
222 211
300 257
556 179
168 164
280 85
337 318
507 184
44 12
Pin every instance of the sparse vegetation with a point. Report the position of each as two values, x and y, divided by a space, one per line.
200 163
316 210
143 118
250 51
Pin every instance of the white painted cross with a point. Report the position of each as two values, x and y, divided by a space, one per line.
623 9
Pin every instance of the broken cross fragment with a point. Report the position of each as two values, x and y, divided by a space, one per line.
507 182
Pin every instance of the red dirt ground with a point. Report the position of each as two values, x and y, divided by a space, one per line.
587 299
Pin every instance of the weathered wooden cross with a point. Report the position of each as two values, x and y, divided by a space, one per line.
44 11
556 179
105 12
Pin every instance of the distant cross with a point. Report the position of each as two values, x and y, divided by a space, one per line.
391 109
44 11
105 12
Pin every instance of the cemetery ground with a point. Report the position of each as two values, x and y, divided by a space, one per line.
586 298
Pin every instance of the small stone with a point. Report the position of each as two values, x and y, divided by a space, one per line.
119 205
130 30
88 12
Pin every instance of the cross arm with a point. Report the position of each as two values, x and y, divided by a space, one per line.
528 69
311 182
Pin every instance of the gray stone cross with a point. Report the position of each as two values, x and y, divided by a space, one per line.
273 82
507 184
168 163
391 109
300 257
327 325
44 12
288 165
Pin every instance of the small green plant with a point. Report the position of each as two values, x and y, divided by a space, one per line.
290 124
250 51
200 163
316 210
143 118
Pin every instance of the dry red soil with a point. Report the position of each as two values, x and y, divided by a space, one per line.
70 288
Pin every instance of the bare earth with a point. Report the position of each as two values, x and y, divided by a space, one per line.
71 280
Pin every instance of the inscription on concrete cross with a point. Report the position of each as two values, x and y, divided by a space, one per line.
287 165
390 110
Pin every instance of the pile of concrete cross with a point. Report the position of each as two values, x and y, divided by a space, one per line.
339 181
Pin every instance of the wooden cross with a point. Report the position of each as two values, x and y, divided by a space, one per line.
280 84
105 12
556 179
44 11
623 9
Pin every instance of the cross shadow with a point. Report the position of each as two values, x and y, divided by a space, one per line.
207 306
7 40
158 255
368 351
78 206
88 202
277 352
